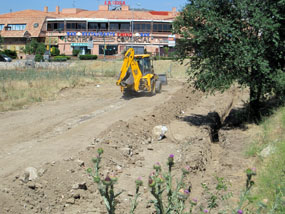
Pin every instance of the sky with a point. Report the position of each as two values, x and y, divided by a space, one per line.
18 5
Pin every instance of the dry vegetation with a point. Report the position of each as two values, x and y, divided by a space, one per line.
23 87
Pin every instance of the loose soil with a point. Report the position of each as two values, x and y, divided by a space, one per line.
59 138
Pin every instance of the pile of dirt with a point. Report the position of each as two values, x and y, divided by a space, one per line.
130 149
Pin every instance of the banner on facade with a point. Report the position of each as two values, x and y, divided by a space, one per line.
79 44
116 3
171 41
51 40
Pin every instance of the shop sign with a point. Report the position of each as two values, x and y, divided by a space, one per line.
96 34
124 34
90 45
137 38
51 40
88 36
171 41
79 44
116 3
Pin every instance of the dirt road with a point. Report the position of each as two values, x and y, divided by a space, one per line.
59 138
53 130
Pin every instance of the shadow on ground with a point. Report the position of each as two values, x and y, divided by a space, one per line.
238 118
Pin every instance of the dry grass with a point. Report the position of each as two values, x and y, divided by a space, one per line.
112 68
19 88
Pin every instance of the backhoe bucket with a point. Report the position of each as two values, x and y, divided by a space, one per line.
162 78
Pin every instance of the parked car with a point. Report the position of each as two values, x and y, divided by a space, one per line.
4 58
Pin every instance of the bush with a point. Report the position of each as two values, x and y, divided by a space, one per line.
54 51
75 52
34 47
88 57
38 58
10 53
164 58
60 58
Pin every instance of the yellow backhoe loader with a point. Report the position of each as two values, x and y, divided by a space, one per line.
137 74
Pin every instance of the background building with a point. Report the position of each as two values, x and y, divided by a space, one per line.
102 32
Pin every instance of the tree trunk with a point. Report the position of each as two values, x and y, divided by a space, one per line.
254 104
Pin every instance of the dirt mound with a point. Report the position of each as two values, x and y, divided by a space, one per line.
130 149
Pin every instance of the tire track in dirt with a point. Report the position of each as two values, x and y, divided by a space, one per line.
54 136
130 150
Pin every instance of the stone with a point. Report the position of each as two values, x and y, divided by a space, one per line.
35 186
76 196
80 186
25 177
70 201
33 173
80 162
159 132
130 194
41 172
267 151
149 148
6 190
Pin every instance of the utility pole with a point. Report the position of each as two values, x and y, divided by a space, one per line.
104 45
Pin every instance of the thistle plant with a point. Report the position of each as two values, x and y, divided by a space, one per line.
176 197
106 185
214 198
169 199
248 186
134 203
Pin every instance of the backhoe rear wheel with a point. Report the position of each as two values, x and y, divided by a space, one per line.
158 86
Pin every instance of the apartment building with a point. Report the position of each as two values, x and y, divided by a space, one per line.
103 32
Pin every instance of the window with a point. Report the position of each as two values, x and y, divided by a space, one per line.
16 27
142 27
76 26
1 27
109 50
125 26
93 26
51 26
103 26
162 27
114 26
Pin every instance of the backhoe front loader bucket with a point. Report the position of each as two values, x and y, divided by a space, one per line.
162 78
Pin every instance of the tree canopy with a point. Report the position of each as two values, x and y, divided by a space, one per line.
234 41
35 47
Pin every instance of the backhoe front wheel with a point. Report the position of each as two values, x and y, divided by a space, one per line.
157 86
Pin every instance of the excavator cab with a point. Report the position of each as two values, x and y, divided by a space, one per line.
145 64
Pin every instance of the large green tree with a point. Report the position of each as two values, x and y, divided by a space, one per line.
234 41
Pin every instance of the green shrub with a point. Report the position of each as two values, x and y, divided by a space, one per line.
10 53
54 51
163 58
75 52
38 58
60 58
88 57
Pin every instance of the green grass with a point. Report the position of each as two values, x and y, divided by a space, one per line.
270 181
